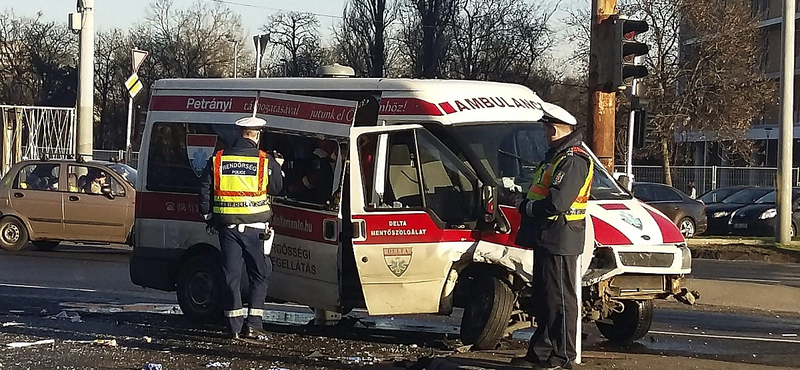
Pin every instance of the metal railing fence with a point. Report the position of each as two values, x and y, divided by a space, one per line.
710 177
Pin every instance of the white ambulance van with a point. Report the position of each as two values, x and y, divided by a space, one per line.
419 217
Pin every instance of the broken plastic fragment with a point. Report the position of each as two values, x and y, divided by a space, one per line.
28 344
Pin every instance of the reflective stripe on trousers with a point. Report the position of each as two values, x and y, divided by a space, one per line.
235 313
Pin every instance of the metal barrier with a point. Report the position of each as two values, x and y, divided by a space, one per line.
710 177
32 132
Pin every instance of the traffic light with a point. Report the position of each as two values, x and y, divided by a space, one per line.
625 69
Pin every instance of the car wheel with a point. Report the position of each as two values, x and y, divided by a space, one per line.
200 285
686 226
793 231
13 234
487 314
630 325
45 245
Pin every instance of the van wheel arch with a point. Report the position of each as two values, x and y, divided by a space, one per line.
199 283
484 324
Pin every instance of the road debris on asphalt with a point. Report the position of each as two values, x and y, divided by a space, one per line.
29 344
789 335
64 315
218 364
102 342
152 366
12 323
16 311
147 339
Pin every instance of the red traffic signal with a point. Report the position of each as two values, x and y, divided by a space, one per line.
627 49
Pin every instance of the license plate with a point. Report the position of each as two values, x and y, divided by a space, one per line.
740 226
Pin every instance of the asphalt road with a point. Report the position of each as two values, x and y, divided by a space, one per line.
94 282
748 271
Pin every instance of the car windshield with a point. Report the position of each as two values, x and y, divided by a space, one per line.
772 196
510 153
127 172
747 196
718 195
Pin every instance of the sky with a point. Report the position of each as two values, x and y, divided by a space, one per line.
124 14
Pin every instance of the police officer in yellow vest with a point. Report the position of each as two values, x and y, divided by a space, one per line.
235 200
553 225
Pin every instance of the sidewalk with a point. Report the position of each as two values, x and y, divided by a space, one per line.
746 295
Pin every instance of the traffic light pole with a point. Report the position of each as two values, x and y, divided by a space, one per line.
631 132
602 105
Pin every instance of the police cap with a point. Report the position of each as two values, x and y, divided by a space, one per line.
251 122
558 115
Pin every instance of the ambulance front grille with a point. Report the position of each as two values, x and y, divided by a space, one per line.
646 259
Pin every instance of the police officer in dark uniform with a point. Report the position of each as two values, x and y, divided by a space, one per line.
235 200
553 225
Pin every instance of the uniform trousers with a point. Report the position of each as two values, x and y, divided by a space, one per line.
246 249
555 307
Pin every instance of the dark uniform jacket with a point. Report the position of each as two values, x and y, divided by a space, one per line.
558 237
242 147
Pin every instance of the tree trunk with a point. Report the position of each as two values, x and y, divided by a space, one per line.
665 154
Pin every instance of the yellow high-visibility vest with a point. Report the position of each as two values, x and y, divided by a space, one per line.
240 184
543 179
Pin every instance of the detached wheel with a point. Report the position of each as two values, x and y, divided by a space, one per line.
630 325
199 293
487 313
13 234
686 226
45 245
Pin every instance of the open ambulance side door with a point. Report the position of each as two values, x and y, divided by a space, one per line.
412 203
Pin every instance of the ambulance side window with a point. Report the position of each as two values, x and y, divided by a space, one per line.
178 153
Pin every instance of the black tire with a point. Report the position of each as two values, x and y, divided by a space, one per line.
487 313
45 245
630 325
687 227
13 234
200 285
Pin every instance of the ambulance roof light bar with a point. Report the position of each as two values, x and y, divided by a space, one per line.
335 70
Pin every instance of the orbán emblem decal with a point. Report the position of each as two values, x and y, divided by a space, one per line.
632 220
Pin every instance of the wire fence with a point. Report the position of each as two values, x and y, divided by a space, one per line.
710 177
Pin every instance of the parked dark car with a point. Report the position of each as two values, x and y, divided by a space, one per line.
719 194
687 213
719 214
758 219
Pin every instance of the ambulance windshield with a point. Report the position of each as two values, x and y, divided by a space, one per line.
510 153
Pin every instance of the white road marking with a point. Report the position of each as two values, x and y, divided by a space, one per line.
733 337
48 287
753 280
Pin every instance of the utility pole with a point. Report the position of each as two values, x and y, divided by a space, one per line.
602 104
784 198
84 19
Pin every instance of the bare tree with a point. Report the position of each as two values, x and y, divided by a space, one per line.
37 62
294 37
192 42
361 40
704 73
427 27
500 40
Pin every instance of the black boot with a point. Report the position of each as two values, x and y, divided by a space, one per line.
254 333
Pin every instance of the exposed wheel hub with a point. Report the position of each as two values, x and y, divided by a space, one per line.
11 234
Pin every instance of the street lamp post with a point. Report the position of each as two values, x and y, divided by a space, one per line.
235 59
